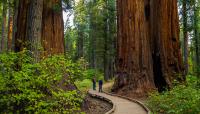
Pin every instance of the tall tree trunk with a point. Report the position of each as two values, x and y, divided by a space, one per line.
197 40
34 28
106 44
20 40
80 41
165 33
92 42
52 27
185 35
148 46
10 27
29 28
134 61
3 37
14 29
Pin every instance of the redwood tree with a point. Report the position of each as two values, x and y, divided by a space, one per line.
40 22
148 46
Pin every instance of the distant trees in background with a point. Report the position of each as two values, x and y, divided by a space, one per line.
189 14
93 35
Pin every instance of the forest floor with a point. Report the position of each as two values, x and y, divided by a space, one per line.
96 106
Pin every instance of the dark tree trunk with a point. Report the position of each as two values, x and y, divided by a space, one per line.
14 29
92 43
21 25
109 40
197 41
80 41
185 35
3 36
165 33
148 46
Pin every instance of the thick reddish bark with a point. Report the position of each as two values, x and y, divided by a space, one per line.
28 27
34 28
10 30
21 26
134 67
52 27
165 33
148 46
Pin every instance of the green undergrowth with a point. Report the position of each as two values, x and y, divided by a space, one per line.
84 85
27 87
182 99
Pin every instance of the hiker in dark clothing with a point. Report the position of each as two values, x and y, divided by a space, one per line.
94 83
100 85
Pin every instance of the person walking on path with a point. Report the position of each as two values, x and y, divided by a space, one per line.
100 85
94 83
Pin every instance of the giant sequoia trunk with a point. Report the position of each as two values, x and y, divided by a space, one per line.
40 24
148 46
52 27
34 28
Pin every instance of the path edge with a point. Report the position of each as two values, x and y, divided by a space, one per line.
104 99
130 99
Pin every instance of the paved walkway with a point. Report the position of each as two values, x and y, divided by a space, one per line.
123 106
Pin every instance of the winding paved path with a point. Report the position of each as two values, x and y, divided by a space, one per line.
123 106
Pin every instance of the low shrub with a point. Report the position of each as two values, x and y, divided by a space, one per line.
182 99
27 87
84 85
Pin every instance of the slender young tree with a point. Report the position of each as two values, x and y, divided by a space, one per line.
185 35
4 21
10 26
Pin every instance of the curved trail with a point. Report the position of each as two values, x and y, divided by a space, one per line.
123 106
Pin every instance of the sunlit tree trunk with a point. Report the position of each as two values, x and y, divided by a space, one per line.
10 27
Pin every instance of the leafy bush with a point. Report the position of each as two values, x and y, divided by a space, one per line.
84 85
91 73
27 87
182 99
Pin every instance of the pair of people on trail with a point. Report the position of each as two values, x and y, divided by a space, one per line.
100 84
